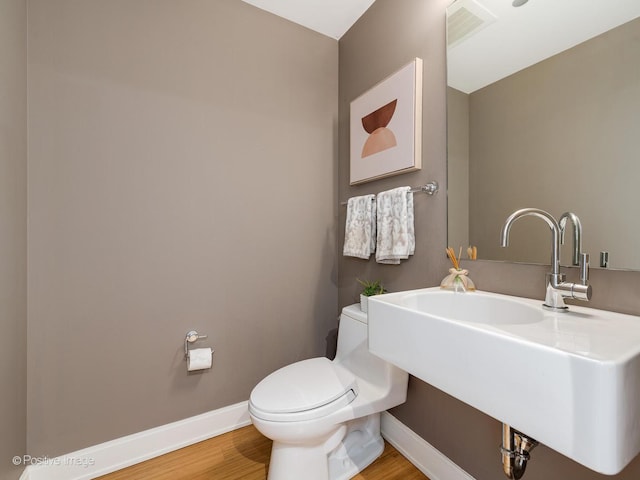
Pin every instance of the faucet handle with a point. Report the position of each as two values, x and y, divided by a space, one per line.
584 268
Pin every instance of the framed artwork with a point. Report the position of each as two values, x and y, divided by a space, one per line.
386 127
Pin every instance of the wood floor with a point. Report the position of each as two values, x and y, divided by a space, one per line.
243 454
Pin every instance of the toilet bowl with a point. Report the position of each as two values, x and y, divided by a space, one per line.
324 416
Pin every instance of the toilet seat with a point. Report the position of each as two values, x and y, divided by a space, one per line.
304 390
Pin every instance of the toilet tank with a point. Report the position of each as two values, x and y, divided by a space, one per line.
353 351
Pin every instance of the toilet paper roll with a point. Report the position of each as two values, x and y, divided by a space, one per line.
199 359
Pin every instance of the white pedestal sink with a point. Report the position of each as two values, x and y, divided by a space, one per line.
570 380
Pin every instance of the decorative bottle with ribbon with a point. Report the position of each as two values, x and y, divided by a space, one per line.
458 280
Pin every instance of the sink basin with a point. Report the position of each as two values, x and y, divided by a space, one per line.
570 380
480 308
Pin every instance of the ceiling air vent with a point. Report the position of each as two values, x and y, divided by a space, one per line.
466 18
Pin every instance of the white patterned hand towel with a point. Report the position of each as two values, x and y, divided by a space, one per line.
396 232
360 229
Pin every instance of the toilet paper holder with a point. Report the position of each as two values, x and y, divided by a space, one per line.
192 337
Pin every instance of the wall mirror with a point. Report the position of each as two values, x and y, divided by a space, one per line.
544 111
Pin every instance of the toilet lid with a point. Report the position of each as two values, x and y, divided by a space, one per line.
302 386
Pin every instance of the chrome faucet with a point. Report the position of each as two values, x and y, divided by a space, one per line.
556 288
577 234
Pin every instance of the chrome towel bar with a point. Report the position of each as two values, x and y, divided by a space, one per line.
430 188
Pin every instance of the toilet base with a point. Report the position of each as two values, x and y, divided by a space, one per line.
300 461
348 451
361 446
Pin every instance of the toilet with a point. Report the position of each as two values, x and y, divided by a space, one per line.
324 416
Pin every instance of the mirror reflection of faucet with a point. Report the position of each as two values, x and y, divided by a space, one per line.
556 287
577 234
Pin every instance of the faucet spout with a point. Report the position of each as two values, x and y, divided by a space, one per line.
549 220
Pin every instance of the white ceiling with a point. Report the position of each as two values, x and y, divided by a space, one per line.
525 35
329 17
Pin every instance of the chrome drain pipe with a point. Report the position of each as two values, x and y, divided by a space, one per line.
515 451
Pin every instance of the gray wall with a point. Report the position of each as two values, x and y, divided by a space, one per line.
13 233
182 174
388 36
557 136
458 167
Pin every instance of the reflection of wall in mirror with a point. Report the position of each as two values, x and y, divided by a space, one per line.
458 167
532 142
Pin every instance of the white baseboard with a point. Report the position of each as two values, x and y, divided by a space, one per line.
108 457
418 451
123 452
